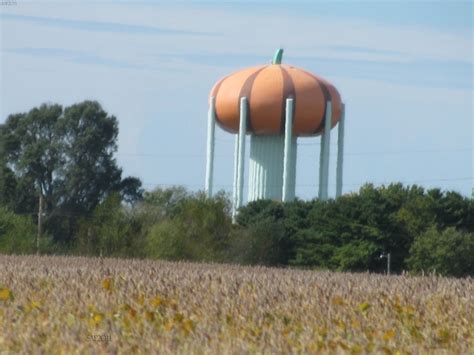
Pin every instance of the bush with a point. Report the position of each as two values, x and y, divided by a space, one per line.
17 233
162 203
111 231
447 252
314 249
199 231
261 243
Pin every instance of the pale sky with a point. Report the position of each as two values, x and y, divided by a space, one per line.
403 68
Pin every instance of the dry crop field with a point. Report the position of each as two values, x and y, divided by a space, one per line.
85 305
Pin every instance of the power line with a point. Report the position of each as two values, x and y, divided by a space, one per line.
194 155
411 152
299 143
335 143
332 184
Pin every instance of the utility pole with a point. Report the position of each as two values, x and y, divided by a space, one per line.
388 263
389 260
40 223
2 159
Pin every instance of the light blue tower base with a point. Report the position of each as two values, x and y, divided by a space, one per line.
272 166
266 168
340 151
211 128
239 158
324 155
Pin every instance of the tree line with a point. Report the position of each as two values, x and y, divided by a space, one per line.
65 158
62 160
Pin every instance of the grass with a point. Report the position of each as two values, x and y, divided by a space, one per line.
91 305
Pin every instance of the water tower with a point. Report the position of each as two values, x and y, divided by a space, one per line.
275 104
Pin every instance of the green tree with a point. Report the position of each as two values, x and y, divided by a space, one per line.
89 171
351 232
67 156
32 152
448 252
451 209
7 179
8 186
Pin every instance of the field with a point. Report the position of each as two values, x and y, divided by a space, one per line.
84 305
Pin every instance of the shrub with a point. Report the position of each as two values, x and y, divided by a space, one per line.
200 231
261 243
17 233
447 252
314 249
111 231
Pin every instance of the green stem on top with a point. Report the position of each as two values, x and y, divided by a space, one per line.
278 56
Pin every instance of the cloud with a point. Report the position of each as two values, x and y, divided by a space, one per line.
80 57
101 26
255 33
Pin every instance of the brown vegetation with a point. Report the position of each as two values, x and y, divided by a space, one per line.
91 305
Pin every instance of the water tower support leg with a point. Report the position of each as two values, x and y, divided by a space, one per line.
340 152
236 173
321 159
325 144
241 157
287 159
211 124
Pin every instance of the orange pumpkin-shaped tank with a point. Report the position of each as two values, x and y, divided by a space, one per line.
267 87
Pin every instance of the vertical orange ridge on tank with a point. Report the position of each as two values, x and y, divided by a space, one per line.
309 103
228 99
288 92
336 104
265 101
335 99
326 96
213 92
246 91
